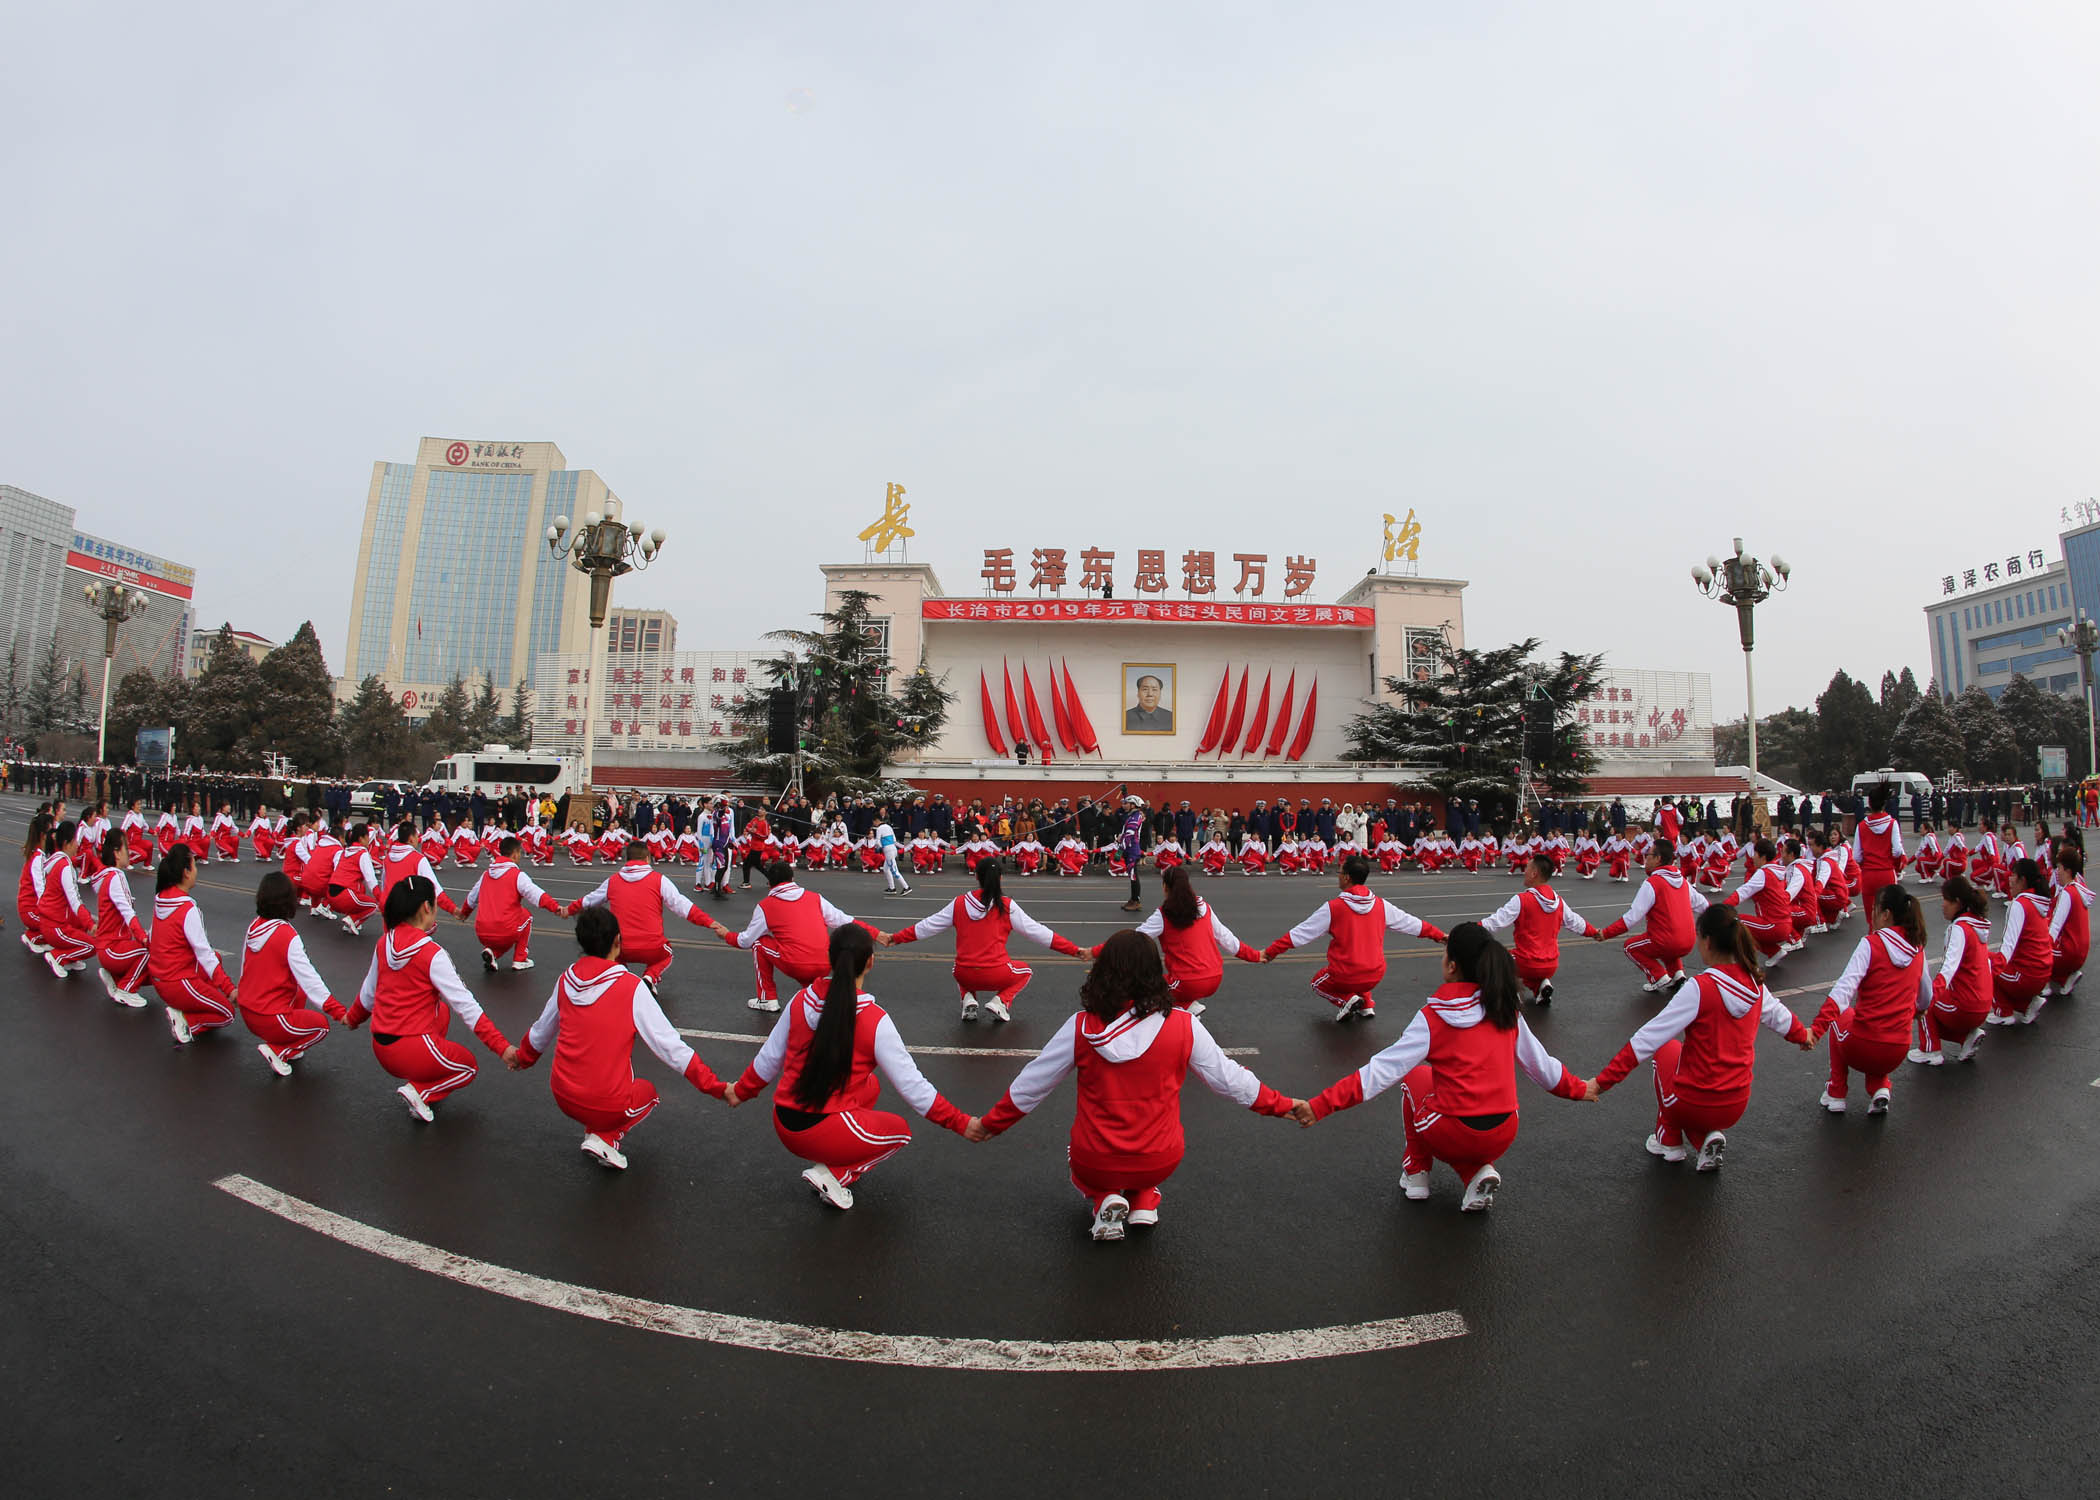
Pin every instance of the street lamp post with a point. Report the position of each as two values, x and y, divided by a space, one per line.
601 549
2084 638
1744 583
116 604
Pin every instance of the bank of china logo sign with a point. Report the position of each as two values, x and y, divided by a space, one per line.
456 454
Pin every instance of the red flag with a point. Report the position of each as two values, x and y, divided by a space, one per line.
1059 718
1035 715
1283 718
1231 736
1305 725
1082 726
1214 727
991 715
1261 718
1014 726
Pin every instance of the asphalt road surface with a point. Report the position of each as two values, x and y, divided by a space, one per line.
1903 1305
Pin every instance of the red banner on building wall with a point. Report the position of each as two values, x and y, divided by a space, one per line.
1149 612
104 568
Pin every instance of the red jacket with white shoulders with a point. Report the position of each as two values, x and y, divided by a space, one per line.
1355 924
1474 1062
1717 1015
591 1020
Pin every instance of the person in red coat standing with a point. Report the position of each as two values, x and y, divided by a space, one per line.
1703 1044
500 907
1961 991
592 1020
1132 1046
1355 924
179 958
832 1049
2070 919
120 943
1875 1001
1877 846
984 921
1456 1065
639 895
1193 942
284 1001
1539 916
1667 905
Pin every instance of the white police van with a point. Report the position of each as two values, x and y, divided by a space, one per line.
495 769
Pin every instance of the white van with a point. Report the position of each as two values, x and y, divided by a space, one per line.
494 769
1903 784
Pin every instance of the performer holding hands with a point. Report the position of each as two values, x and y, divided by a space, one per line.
1193 942
1355 924
1872 1005
984 921
1539 915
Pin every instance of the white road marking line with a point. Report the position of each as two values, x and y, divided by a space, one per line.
759 1041
1021 1356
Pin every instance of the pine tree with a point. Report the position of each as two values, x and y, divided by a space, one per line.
377 740
1928 739
852 722
44 702
1468 725
226 712
77 717
135 703
2030 713
1845 733
445 730
298 696
11 689
1987 743
517 724
484 717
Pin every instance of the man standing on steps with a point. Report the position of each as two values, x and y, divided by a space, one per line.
893 881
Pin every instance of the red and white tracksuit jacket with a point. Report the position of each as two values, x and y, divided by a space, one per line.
193 834
639 895
2026 956
404 860
1704 1046
1872 1007
2070 931
1458 1080
226 836
1669 906
1126 1131
353 886
1877 843
466 845
501 904
137 839
1070 855
1214 856
845 1132
592 1019
1254 855
1194 955
1355 924
411 992
1618 857
1539 916
789 933
1769 916
1961 991
61 913
120 943
182 966
166 832
1928 858
1956 860
283 1000
319 867
981 935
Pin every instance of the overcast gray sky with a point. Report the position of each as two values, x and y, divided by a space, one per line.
1593 288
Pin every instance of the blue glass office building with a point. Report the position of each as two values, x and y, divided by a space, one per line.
2005 625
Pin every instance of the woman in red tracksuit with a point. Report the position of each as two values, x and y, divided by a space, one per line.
984 921
827 1050
411 993
1874 1002
1355 924
1539 916
191 981
2025 958
1703 1044
1769 915
1961 991
120 943
2070 919
1667 905
500 907
1133 1047
1456 1065
61 914
591 1021
29 887
284 1002
1193 942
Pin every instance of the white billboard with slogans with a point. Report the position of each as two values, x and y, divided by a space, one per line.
1633 716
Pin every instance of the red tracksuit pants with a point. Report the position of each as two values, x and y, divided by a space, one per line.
1008 979
71 941
1189 988
500 941
1652 959
1433 1136
1944 1021
2011 989
354 902
290 1033
432 1061
1135 1178
1770 937
610 1119
1684 1116
850 1142
656 957
766 955
1871 1059
1339 984
2069 961
125 963
199 999
1531 973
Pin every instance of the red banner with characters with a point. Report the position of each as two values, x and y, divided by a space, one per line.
1150 612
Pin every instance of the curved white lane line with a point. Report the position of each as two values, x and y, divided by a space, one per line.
1018 1355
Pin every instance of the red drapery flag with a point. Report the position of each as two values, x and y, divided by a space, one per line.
1082 726
991 715
1015 725
1261 718
1214 726
1060 720
1305 725
1231 736
1040 734
1283 718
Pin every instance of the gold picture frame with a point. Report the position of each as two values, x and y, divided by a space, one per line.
1138 718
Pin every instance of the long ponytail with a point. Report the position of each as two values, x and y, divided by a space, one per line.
988 885
33 844
1721 926
830 1055
1486 963
1902 909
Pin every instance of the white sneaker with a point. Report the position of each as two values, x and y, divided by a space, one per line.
109 984
1835 1106
417 1105
996 1009
1196 1007
1546 993
1931 1059
1480 1192
1711 1150
179 1026
1415 1185
1111 1216
1995 1019
598 1146
131 998
828 1187
2064 990
1667 1153
1144 1218
759 1002
969 1007
521 963
1879 1104
1346 1011
2034 1008
77 968
57 968
1650 986
1968 1047
277 1064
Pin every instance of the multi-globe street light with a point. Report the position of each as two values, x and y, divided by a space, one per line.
601 549
2084 638
115 603
1743 583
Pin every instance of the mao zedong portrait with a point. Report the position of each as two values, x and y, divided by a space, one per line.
1149 715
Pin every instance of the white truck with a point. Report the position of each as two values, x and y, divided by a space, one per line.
495 769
